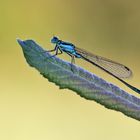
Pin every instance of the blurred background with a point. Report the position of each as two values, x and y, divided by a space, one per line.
31 108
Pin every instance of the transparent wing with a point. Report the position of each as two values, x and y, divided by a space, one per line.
115 68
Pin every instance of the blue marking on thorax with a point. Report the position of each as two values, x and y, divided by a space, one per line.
68 47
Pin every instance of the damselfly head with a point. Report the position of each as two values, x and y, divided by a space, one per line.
54 40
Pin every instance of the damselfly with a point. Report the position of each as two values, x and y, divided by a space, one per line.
113 68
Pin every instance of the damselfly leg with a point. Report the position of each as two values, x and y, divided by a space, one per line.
56 49
72 60
57 53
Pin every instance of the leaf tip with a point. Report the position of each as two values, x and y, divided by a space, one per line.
20 41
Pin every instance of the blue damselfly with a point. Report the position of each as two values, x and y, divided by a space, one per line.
113 68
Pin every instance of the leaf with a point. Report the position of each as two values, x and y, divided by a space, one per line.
84 83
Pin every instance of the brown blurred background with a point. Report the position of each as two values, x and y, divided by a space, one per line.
32 108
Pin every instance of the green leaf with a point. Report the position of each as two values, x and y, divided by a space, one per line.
84 83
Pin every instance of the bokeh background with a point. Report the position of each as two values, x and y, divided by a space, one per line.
31 108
